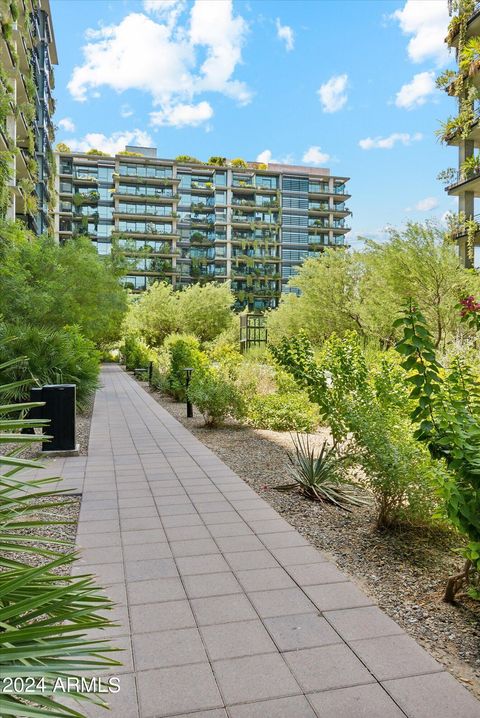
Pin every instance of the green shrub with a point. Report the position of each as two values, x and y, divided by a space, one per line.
215 396
184 351
136 353
55 356
283 412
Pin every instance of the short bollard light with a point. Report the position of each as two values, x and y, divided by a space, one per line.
188 376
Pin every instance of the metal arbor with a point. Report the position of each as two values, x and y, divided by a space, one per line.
253 332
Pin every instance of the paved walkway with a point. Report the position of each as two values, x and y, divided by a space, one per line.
224 609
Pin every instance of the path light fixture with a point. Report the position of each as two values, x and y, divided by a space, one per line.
188 376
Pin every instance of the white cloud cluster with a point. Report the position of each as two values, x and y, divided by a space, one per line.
387 143
424 205
183 115
171 61
314 156
267 157
427 22
66 124
333 94
415 93
113 144
285 33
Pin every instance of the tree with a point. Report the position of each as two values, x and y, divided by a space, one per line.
328 301
155 314
53 285
416 262
361 291
206 311
62 147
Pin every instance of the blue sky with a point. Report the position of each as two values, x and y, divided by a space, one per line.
348 84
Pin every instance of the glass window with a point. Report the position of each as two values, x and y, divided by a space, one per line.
220 179
295 184
220 197
267 182
300 220
294 202
105 174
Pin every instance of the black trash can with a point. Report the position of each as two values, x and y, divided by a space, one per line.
60 410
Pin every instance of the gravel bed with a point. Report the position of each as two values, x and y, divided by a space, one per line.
404 571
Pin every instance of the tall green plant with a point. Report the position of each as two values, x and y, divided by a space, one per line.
447 413
45 613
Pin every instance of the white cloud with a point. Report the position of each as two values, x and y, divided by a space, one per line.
424 205
171 61
285 33
126 110
183 115
113 144
415 93
333 94
427 21
314 156
267 158
67 124
387 143
168 10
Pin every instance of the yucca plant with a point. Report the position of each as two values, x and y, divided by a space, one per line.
45 614
320 477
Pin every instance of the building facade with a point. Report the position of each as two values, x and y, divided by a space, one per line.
184 222
27 56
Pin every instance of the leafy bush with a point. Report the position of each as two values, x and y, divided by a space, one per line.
184 351
354 399
215 396
136 353
283 412
447 412
45 612
55 356
321 476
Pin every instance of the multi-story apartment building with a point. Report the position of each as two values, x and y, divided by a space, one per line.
27 56
463 130
185 221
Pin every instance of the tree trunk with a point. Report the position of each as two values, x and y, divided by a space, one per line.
455 583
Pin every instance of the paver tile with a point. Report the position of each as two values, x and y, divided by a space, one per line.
191 565
369 701
142 537
145 551
356 623
169 691
150 568
292 707
159 649
333 596
264 579
254 678
316 573
336 666
437 695
389 657
222 609
281 602
149 617
244 560
232 640
157 589
306 630
194 547
211 584
283 540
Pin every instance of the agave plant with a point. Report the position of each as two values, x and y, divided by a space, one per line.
45 613
320 476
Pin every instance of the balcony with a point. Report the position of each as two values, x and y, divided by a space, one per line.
461 181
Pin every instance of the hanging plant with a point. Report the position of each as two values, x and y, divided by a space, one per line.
469 57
